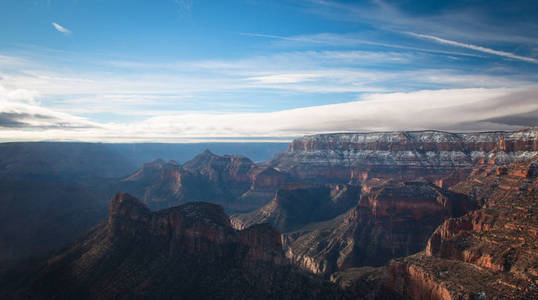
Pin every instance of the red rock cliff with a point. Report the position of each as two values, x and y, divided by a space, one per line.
435 156
490 253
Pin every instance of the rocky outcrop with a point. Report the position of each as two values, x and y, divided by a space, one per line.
267 179
296 205
426 277
195 227
231 171
487 252
190 250
149 172
391 220
264 244
157 183
233 181
404 156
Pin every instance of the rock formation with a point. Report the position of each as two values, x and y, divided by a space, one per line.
233 181
296 205
404 176
190 251
489 253
391 220
404 156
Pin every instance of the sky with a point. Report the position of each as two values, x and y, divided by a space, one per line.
252 70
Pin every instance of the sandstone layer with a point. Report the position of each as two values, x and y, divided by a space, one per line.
490 253
405 156
391 220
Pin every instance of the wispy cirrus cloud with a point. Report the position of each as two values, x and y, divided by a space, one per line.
170 101
348 40
474 47
148 88
61 28
470 22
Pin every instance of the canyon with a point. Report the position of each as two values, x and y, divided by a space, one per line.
393 220
393 215
189 251
499 239
488 253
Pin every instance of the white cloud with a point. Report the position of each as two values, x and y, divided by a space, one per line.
61 28
178 104
142 89
452 109
23 96
20 109
428 109
309 71
475 47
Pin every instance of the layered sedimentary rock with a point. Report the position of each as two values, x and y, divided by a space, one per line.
434 156
296 205
391 219
190 251
233 181
490 253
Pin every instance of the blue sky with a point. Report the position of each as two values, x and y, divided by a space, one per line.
188 70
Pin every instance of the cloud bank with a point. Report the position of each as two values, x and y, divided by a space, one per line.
20 111
21 118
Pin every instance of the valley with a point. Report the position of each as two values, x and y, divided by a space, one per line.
375 215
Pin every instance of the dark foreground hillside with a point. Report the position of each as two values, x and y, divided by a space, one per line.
186 252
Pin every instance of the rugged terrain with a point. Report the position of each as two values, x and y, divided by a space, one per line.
489 253
233 181
425 215
391 220
298 204
51 192
189 251
433 156
332 227
410 183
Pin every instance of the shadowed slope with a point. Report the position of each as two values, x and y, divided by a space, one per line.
189 251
